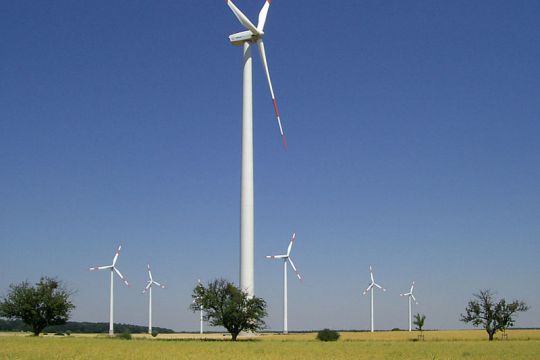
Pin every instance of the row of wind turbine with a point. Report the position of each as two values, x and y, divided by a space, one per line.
373 285
114 269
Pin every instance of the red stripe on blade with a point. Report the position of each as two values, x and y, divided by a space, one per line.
275 107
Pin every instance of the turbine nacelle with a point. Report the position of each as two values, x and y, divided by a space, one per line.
241 37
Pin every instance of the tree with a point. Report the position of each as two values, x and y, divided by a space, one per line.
419 321
228 306
46 303
493 316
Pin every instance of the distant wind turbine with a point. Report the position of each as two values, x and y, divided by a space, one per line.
286 259
201 313
113 269
148 289
411 297
371 287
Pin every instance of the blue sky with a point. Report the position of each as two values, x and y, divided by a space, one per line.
413 146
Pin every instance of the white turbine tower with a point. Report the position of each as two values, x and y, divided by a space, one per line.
411 298
253 34
371 287
148 289
113 269
201 314
286 259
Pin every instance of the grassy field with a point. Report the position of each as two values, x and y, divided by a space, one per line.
521 344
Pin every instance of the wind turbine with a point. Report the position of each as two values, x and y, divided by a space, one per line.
113 269
201 313
286 259
253 34
411 297
371 287
148 289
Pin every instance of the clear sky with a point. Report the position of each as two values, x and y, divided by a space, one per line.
413 131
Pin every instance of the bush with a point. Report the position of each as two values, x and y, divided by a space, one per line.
154 333
396 329
124 336
58 334
68 333
327 335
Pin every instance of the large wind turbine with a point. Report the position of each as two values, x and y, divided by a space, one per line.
411 297
253 34
148 288
371 287
113 269
286 259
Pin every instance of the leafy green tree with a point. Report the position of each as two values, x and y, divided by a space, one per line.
46 303
419 320
228 306
493 316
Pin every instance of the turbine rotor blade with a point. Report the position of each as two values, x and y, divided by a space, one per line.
116 255
263 14
371 273
100 267
262 52
368 288
414 298
291 243
158 284
294 268
276 256
243 18
121 276
149 272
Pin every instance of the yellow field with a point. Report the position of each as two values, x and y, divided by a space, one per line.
521 344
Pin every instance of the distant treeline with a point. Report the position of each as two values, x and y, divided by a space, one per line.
81 327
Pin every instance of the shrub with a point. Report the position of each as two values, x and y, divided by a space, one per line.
396 329
154 333
327 335
58 334
124 336
68 333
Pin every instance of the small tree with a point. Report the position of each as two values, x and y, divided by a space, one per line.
46 303
491 315
228 306
419 321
